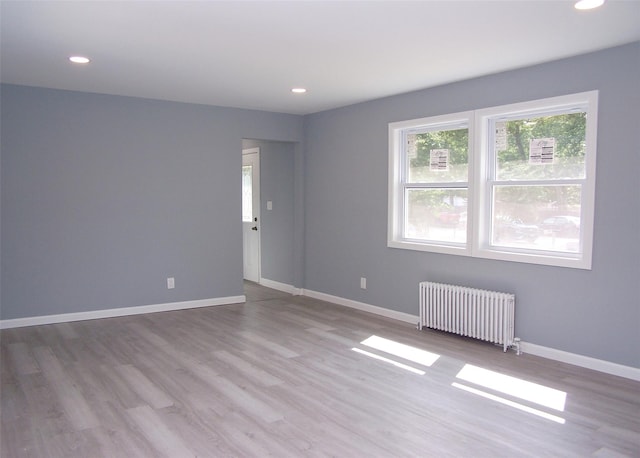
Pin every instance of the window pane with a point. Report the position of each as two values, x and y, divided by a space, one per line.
537 217
438 156
541 148
436 215
247 200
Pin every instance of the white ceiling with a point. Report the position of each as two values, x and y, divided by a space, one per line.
249 54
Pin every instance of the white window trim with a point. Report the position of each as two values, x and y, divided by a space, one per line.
479 188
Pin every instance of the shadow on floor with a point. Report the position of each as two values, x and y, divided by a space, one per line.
255 292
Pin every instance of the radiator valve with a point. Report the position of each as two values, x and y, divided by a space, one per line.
516 344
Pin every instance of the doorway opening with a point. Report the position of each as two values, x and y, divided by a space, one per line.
251 214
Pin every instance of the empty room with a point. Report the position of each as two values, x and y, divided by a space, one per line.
319 228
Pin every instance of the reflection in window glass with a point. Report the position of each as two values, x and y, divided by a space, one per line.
438 156
437 214
542 147
537 217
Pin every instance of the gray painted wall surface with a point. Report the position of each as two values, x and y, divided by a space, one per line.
594 313
105 197
277 225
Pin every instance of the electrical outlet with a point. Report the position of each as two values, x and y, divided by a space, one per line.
171 283
363 283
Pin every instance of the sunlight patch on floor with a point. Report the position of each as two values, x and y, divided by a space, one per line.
407 352
513 386
509 403
390 361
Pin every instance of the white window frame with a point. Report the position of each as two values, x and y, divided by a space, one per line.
480 183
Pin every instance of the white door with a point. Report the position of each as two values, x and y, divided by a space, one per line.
251 213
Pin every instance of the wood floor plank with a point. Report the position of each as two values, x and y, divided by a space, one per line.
198 427
239 397
23 361
109 442
248 439
41 407
263 342
66 330
252 371
163 440
145 388
21 438
72 401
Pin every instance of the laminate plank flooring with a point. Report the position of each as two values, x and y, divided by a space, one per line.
292 376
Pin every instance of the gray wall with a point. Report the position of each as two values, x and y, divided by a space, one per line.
105 197
594 313
277 160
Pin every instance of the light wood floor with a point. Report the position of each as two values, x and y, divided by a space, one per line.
278 376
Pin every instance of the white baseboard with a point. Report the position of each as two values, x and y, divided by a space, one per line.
281 286
400 316
123 311
587 362
599 365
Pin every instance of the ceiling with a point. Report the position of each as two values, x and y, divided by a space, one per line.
249 54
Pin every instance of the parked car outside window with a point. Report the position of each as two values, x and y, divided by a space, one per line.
561 225
508 228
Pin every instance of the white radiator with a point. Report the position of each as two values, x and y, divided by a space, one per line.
471 312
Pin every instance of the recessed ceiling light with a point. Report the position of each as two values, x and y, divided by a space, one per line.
298 90
79 60
588 4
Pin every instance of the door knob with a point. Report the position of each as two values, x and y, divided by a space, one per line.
254 228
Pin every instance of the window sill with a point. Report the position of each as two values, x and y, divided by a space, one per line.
496 254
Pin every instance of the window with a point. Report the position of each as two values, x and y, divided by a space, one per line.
514 182
247 193
432 182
